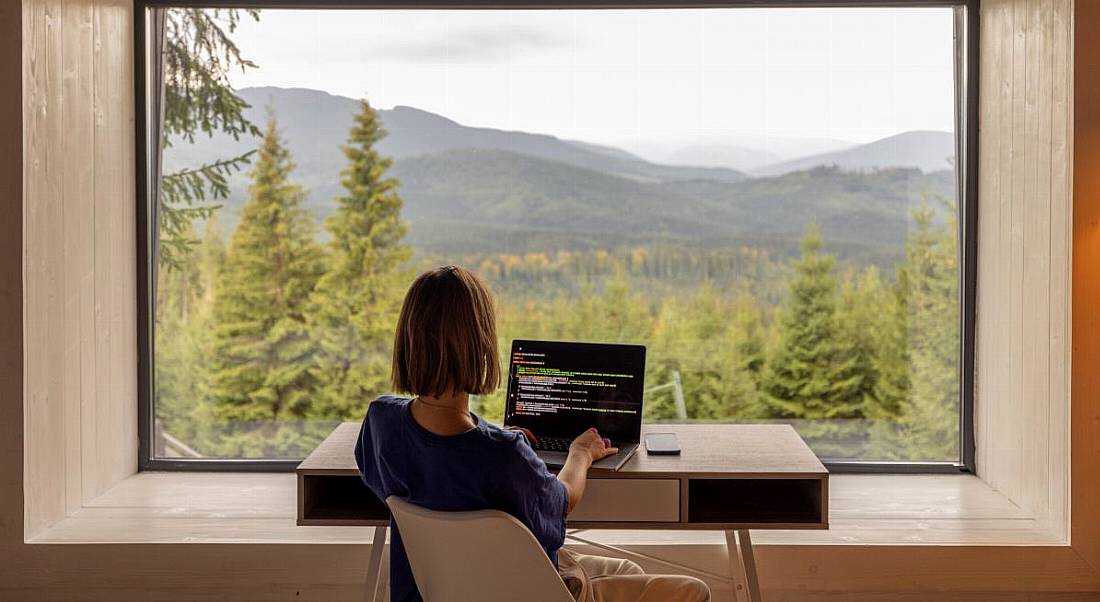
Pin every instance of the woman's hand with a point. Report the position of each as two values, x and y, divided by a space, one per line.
593 446
584 450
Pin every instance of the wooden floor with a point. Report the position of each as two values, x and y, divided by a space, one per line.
260 508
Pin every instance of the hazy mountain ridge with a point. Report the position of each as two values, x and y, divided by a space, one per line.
744 151
307 117
925 150
723 155
542 205
480 190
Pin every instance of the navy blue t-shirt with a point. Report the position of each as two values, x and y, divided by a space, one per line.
484 468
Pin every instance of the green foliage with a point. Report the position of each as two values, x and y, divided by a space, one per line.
811 375
354 307
718 338
891 389
199 53
928 421
713 345
747 331
262 348
184 342
468 200
862 318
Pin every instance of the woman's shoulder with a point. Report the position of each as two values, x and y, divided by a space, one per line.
510 445
390 401
386 406
497 435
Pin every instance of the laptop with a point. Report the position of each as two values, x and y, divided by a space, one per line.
557 390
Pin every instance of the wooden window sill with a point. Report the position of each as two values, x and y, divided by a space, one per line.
260 508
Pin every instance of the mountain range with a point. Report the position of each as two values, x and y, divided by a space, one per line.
469 190
924 150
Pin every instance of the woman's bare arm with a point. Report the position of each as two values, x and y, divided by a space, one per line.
584 450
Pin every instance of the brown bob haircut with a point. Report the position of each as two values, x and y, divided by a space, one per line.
446 339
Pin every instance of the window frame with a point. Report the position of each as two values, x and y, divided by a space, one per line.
967 13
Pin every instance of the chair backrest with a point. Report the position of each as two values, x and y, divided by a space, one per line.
483 555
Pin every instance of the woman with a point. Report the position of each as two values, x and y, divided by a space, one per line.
437 454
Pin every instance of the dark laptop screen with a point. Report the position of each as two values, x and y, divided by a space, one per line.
560 389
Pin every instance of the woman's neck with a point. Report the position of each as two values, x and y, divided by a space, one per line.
443 415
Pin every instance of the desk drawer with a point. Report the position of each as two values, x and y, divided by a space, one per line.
629 500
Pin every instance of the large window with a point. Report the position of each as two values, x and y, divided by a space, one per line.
773 201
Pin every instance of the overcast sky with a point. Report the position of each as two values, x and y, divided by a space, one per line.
627 75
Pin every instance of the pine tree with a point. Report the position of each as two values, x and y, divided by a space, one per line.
691 341
927 427
354 308
617 314
183 343
747 337
808 374
862 320
262 351
891 390
199 55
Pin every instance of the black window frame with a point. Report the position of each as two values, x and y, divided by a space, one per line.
966 127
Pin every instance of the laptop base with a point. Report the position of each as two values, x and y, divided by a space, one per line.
555 460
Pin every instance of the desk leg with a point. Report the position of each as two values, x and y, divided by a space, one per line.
374 580
742 565
737 576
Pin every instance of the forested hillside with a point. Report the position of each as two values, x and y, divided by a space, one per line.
859 351
467 201
291 223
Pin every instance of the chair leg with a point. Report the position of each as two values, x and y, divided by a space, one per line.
374 583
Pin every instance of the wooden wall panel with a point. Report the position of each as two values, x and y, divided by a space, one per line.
44 459
79 335
77 123
1023 253
1061 191
114 244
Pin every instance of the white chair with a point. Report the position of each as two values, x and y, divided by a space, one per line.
483 556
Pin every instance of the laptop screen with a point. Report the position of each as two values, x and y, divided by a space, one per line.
560 389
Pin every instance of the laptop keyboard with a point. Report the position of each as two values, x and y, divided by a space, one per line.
553 444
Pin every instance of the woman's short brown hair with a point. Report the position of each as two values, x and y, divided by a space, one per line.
446 339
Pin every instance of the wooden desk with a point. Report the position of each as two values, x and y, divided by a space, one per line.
729 477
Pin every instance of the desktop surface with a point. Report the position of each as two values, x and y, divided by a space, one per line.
759 450
728 476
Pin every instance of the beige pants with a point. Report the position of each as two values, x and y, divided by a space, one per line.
599 579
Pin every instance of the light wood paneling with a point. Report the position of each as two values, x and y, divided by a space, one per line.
42 178
79 335
1023 254
78 124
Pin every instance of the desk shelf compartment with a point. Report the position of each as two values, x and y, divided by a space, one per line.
793 503
338 500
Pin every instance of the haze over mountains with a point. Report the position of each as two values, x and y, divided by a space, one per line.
471 190
926 151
